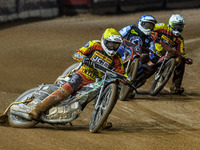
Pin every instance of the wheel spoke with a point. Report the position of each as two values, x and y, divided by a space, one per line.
106 104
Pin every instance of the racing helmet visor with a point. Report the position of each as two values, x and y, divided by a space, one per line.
148 25
178 27
112 45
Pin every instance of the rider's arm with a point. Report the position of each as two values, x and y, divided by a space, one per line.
85 50
180 46
160 29
153 53
78 56
119 68
124 31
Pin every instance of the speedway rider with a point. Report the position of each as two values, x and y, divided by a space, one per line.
171 35
103 52
140 35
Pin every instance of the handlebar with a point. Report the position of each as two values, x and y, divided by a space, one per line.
171 51
113 74
134 48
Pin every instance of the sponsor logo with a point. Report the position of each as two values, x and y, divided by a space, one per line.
78 55
134 32
101 59
168 40
88 73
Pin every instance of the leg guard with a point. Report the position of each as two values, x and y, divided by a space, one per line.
178 75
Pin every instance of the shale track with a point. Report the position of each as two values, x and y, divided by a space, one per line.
38 52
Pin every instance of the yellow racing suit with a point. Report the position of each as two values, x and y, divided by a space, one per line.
163 31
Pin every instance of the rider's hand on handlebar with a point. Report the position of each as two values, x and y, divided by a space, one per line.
154 58
189 61
87 61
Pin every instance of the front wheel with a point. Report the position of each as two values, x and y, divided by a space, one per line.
19 122
102 111
162 78
132 73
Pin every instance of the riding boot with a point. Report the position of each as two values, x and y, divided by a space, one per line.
176 89
48 102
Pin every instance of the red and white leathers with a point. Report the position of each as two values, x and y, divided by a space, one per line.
95 52
85 74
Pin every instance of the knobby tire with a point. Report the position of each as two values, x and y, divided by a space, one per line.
159 83
101 113
132 73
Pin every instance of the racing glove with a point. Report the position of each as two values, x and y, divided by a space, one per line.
189 61
87 61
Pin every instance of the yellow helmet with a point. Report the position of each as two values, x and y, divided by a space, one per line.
110 41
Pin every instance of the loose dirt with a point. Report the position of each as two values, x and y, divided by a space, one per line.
38 52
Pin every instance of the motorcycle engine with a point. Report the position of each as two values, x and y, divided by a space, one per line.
64 112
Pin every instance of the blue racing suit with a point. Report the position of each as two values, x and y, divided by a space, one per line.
133 34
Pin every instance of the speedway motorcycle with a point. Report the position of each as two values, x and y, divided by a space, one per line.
104 92
131 65
165 68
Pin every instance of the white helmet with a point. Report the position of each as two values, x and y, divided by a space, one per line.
110 41
146 24
176 24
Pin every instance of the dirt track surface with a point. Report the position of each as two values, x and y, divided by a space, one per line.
38 52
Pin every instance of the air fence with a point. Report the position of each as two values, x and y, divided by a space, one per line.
22 9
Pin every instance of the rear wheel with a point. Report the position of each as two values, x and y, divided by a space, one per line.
68 72
107 103
132 73
162 78
19 122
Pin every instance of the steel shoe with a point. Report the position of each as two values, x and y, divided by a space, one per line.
176 90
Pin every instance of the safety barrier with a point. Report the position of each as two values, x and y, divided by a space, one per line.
177 4
20 9
115 6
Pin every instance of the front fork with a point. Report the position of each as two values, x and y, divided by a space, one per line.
160 68
127 67
100 93
105 82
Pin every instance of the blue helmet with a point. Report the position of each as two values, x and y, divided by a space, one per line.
146 24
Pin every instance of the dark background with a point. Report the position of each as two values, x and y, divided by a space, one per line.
23 9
